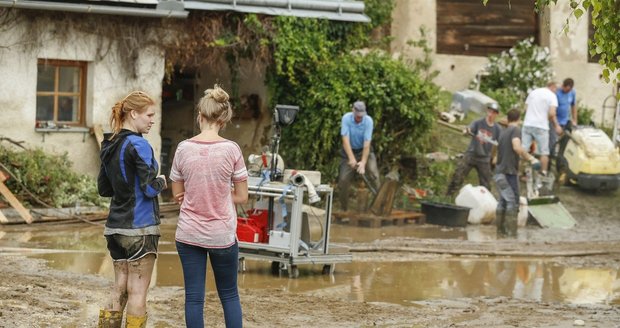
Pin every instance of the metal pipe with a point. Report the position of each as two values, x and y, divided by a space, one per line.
349 11
323 5
93 9
272 189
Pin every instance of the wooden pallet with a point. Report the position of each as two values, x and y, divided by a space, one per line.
397 218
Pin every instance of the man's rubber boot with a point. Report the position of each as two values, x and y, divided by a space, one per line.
110 319
511 223
500 215
134 321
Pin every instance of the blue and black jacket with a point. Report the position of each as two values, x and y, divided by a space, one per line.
128 174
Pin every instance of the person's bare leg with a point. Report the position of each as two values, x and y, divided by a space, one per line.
118 300
544 163
140 272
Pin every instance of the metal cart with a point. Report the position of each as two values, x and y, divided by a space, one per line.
286 250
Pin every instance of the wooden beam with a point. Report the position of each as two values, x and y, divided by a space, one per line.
14 202
3 218
98 131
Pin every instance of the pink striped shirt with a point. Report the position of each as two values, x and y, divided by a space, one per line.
208 217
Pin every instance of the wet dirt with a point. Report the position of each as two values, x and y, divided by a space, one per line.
408 276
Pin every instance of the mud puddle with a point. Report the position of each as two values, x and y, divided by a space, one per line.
397 282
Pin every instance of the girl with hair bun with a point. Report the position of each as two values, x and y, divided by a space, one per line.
128 174
208 178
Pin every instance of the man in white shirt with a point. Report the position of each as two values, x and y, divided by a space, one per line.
541 105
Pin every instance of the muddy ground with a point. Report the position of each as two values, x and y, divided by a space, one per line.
34 295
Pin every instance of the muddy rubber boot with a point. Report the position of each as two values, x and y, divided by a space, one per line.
499 221
511 219
110 319
134 321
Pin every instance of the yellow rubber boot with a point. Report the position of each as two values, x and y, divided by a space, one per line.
110 319
134 321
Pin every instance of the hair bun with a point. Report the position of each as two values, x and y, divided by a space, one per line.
218 94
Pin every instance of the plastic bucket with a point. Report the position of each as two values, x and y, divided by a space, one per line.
445 214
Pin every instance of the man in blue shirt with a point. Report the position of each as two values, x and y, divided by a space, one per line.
566 113
356 153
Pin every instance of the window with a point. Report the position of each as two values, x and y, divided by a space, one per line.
467 27
60 93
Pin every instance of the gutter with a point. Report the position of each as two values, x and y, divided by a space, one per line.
343 10
160 12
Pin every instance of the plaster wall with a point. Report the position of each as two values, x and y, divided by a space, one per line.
106 84
568 52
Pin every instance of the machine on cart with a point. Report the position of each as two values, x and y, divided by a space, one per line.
282 226
293 244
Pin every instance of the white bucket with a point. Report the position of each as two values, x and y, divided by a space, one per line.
482 203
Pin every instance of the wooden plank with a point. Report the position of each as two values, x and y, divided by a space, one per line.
3 218
98 131
467 27
397 218
383 202
14 202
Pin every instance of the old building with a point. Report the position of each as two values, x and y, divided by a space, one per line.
63 65
464 32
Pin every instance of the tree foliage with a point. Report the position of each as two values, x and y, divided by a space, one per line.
399 101
323 67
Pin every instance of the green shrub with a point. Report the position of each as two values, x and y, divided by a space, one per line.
584 115
49 178
519 70
399 101
507 99
318 65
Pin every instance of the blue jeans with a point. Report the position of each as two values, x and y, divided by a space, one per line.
508 187
224 262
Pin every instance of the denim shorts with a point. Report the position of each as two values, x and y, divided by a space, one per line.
541 136
131 248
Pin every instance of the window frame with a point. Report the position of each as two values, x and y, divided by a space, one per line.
81 92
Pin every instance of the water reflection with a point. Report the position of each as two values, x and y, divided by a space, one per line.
397 282
81 237
394 282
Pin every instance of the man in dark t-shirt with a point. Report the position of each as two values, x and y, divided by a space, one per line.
478 155
509 150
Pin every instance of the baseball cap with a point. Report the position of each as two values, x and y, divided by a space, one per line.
494 106
360 108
